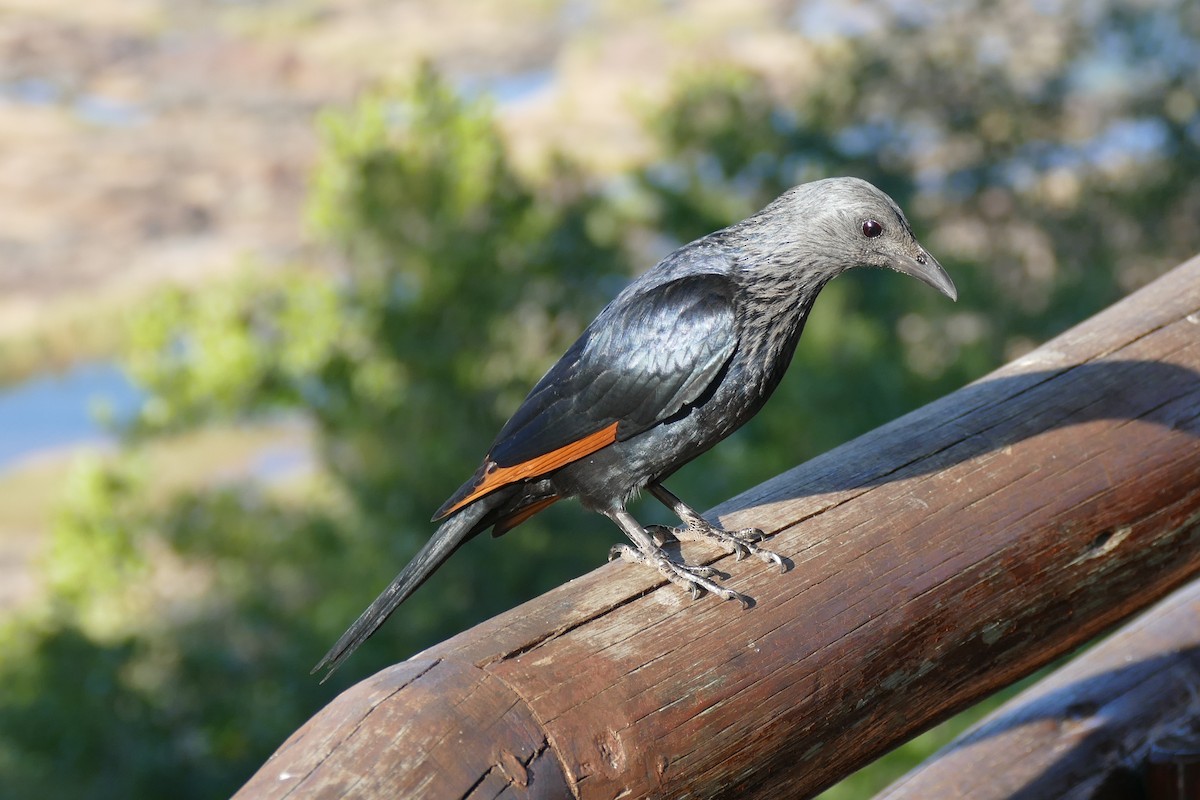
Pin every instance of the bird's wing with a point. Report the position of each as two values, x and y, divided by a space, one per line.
642 361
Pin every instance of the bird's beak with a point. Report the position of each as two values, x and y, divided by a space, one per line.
926 269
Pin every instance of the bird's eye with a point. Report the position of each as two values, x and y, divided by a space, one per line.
871 229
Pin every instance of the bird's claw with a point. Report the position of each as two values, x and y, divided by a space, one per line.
741 543
753 534
694 579
661 534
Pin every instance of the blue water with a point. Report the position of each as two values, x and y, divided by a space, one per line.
509 89
55 411
96 109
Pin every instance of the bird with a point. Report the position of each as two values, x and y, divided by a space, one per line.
682 357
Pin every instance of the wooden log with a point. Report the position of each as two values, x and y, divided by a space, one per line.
1104 726
936 559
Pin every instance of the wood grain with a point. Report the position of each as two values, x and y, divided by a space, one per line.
1086 730
936 559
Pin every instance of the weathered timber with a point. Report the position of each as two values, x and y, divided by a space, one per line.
936 559
1096 729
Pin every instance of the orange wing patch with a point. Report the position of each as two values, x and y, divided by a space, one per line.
505 525
496 476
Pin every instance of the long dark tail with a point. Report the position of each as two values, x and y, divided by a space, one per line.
448 538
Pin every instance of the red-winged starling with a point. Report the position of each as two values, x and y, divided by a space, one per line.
680 359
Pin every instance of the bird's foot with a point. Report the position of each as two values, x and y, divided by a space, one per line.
693 579
742 542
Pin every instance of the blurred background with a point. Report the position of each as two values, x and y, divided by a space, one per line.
273 273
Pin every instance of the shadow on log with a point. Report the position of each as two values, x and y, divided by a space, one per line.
937 559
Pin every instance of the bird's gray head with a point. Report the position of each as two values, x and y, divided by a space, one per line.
836 224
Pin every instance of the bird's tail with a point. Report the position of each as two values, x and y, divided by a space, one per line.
448 538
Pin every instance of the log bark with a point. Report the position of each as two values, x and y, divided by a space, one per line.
1103 726
936 559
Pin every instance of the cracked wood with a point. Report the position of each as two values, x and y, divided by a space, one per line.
938 558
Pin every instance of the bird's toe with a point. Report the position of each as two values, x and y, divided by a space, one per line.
626 553
750 534
741 543
772 558
730 594
661 534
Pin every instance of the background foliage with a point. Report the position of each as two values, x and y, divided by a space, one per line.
1045 151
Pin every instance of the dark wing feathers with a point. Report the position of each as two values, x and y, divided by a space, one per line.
641 362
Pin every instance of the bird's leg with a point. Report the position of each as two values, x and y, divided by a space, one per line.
741 543
647 552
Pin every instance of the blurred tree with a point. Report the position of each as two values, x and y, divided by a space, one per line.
193 620
1046 151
